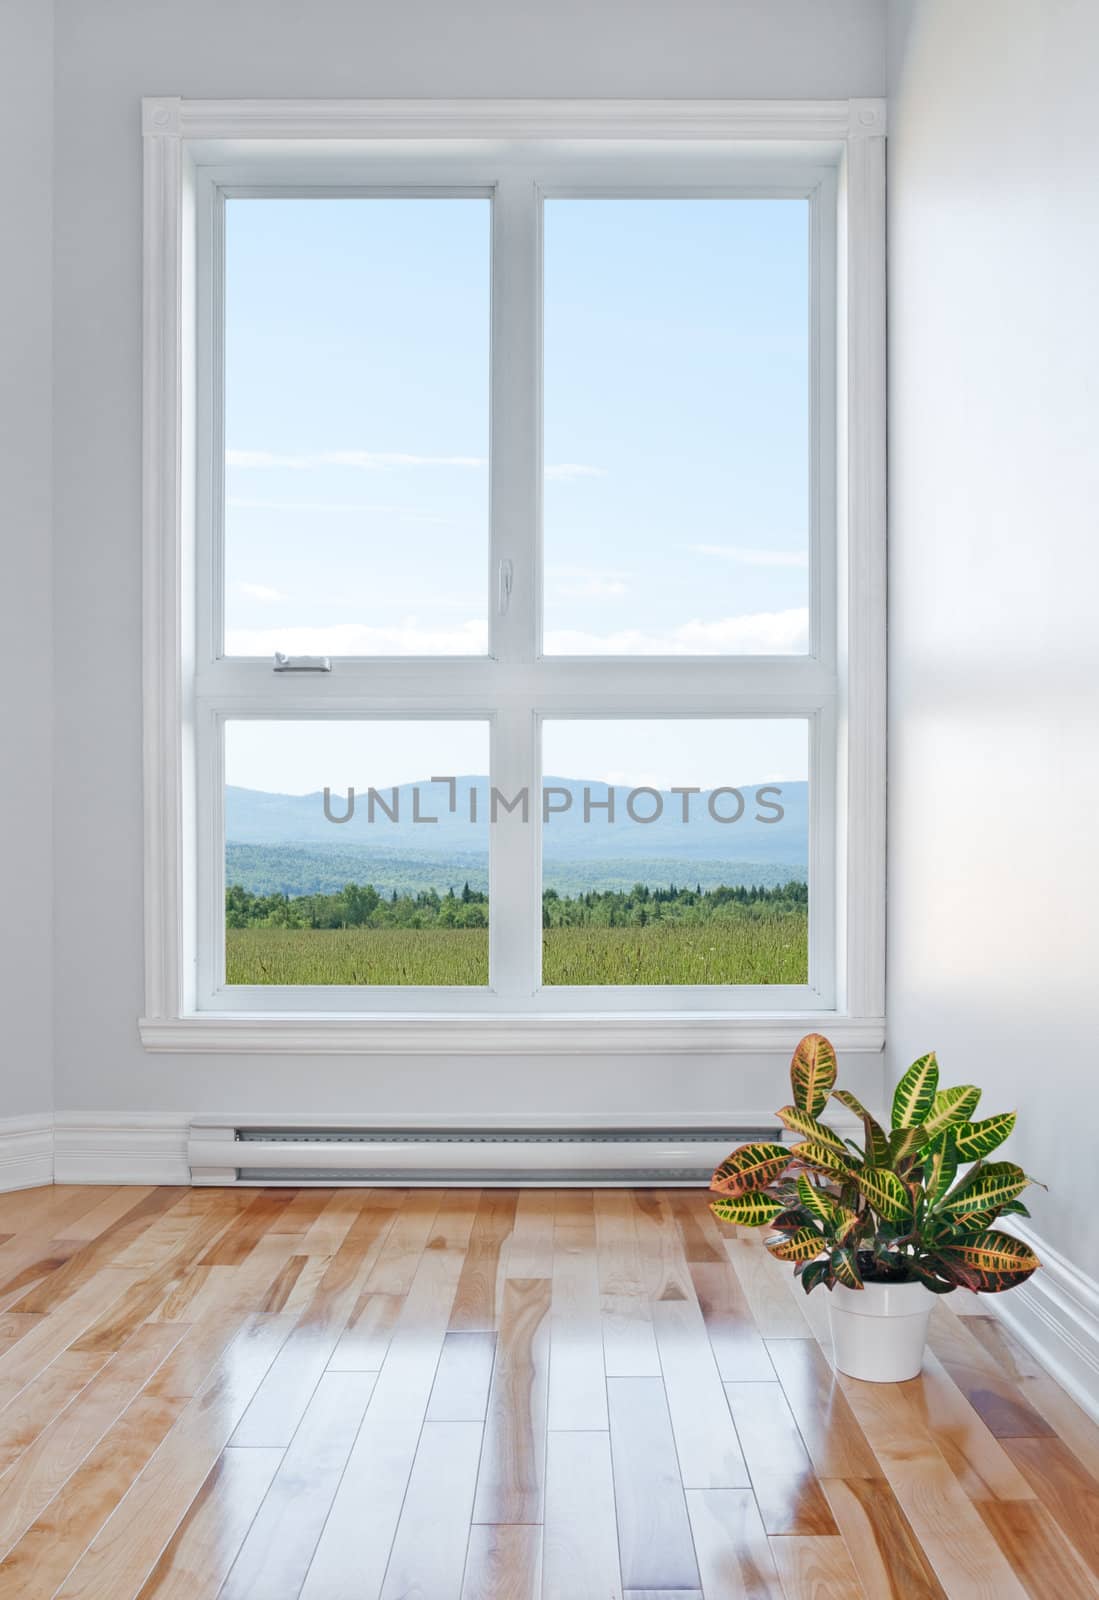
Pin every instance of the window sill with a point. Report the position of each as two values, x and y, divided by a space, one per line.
668 1033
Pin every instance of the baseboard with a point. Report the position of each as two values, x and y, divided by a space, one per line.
121 1147
26 1151
1055 1314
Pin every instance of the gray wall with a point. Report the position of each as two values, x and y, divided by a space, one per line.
26 824
994 572
109 54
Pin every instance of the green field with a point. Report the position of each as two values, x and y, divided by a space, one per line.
769 946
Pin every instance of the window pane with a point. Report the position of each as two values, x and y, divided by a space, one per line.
395 894
675 852
356 426
676 426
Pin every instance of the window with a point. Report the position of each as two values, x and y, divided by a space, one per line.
523 503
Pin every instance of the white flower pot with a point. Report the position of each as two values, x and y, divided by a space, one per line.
879 1331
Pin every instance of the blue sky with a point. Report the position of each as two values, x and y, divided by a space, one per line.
357 386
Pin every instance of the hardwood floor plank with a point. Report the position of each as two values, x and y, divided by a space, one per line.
705 1439
54 1333
35 1567
111 1208
1072 1425
836 1444
577 1382
429 1550
997 1400
737 1343
36 1406
883 1547
580 1554
775 1312
941 1514
15 1325
363 1343
28 1486
654 1534
197 1559
120 1557
404 1244
1047 1563
816 1569
510 1482
788 1493
351 1556
477 1302
1068 1492
529 1252
462 1379
281 1399
104 1251
734 1554
275 1555
504 1563
977 1459
629 1343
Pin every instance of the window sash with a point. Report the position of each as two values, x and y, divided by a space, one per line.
516 686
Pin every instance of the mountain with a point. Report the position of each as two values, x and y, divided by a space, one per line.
253 817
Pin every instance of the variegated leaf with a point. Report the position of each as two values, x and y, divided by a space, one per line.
747 1210
877 1144
812 1273
752 1166
799 1121
846 1222
986 1188
904 1142
823 1158
845 1268
814 1200
941 1168
929 1277
915 1092
990 1262
812 1073
885 1192
948 1107
977 1139
805 1245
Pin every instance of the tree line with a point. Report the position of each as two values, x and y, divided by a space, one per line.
359 905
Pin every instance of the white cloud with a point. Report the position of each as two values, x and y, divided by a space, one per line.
411 513
406 638
764 633
585 583
261 591
756 633
564 471
753 558
384 460
367 460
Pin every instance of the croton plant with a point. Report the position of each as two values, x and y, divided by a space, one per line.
916 1201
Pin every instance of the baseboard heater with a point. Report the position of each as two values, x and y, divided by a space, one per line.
457 1158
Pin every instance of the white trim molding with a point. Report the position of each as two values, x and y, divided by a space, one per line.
630 1034
1055 1314
121 1147
26 1151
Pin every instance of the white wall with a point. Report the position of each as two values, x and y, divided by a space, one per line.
994 572
26 133
109 54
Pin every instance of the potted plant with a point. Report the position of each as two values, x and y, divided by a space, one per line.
887 1224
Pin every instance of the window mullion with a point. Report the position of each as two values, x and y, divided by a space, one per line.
514 577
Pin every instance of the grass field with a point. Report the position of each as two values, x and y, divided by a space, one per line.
762 949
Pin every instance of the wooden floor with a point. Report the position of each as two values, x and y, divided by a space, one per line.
456 1395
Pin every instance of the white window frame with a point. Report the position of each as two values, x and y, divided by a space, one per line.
196 152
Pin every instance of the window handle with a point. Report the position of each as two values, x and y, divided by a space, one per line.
285 663
505 583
